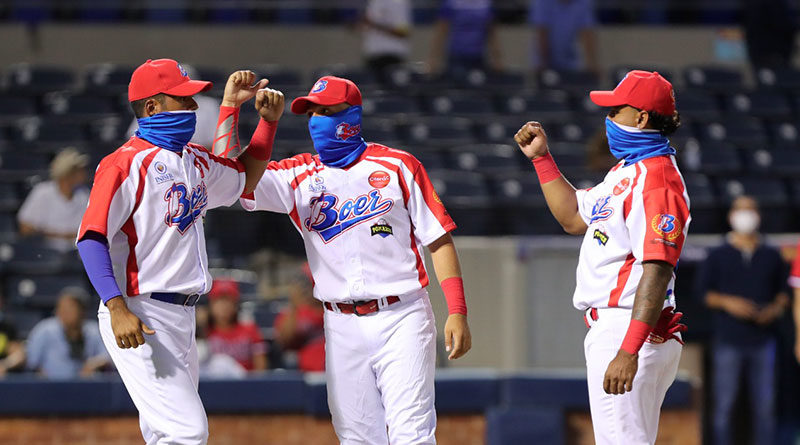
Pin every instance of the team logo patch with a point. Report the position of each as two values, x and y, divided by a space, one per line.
185 207
379 179
601 211
381 228
667 226
437 198
162 175
330 220
600 236
345 131
183 71
317 184
319 86
621 186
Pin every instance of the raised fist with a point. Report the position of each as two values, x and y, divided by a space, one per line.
270 104
240 88
532 140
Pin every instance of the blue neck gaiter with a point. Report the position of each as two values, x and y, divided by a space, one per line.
633 145
337 138
171 130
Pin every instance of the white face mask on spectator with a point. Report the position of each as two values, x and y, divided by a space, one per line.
745 221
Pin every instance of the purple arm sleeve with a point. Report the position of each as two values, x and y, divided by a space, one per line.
93 249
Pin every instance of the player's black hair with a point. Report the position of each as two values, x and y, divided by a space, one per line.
666 125
138 105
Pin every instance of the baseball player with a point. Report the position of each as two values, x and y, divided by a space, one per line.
142 243
365 211
634 224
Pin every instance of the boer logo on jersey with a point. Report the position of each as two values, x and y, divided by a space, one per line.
601 211
379 179
666 225
329 221
184 207
345 131
319 86
381 228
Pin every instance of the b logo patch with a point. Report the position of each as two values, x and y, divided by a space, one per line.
379 179
666 225
319 86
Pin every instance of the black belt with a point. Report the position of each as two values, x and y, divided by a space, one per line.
176 298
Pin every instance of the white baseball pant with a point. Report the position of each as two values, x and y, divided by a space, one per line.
630 418
380 373
161 376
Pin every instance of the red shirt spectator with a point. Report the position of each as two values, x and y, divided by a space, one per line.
300 326
227 335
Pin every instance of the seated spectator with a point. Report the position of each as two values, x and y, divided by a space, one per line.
54 208
12 352
300 326
466 28
229 336
67 346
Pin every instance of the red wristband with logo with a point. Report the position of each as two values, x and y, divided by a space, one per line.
637 334
546 168
261 143
453 289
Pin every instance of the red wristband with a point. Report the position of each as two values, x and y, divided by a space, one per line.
261 143
453 289
637 334
546 168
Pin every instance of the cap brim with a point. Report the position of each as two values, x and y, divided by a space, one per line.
301 104
606 99
190 88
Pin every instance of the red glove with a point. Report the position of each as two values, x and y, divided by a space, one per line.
668 325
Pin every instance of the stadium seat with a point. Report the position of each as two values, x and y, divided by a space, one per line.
24 319
713 78
487 158
399 107
108 130
787 79
108 78
780 162
550 105
8 227
578 130
711 157
10 196
25 78
517 425
466 197
745 131
454 104
763 104
699 105
617 73
784 134
707 213
490 80
14 107
166 11
23 161
438 131
522 209
578 81
100 11
41 290
77 107
500 129
281 77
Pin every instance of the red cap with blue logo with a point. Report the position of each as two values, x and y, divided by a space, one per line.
640 89
163 76
328 90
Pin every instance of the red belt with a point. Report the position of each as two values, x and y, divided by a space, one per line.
592 313
360 307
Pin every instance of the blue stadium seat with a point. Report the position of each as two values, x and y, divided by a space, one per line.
579 130
281 77
228 11
77 107
439 131
454 104
781 162
108 78
108 130
784 134
764 104
52 129
697 104
490 80
787 79
100 11
713 78
10 196
216 75
617 73
772 196
41 290
578 81
8 225
487 158
707 213
522 209
166 11
745 132
392 105
25 161
25 78
571 157
467 199
711 157
518 425
24 319
542 106
500 129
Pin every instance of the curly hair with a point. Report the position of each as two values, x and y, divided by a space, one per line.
666 125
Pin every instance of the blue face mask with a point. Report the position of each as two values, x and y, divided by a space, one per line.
635 145
337 138
171 130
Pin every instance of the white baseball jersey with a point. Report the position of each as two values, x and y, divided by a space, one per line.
640 212
149 203
363 226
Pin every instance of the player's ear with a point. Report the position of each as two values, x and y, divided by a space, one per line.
642 119
152 106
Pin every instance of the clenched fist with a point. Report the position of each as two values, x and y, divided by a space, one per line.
270 104
240 88
532 140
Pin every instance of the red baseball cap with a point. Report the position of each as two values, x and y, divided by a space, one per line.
640 89
328 90
163 76
224 287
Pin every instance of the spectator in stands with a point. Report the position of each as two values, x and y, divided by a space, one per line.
67 346
229 336
559 26
12 352
299 327
743 281
54 208
207 114
386 28
467 28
